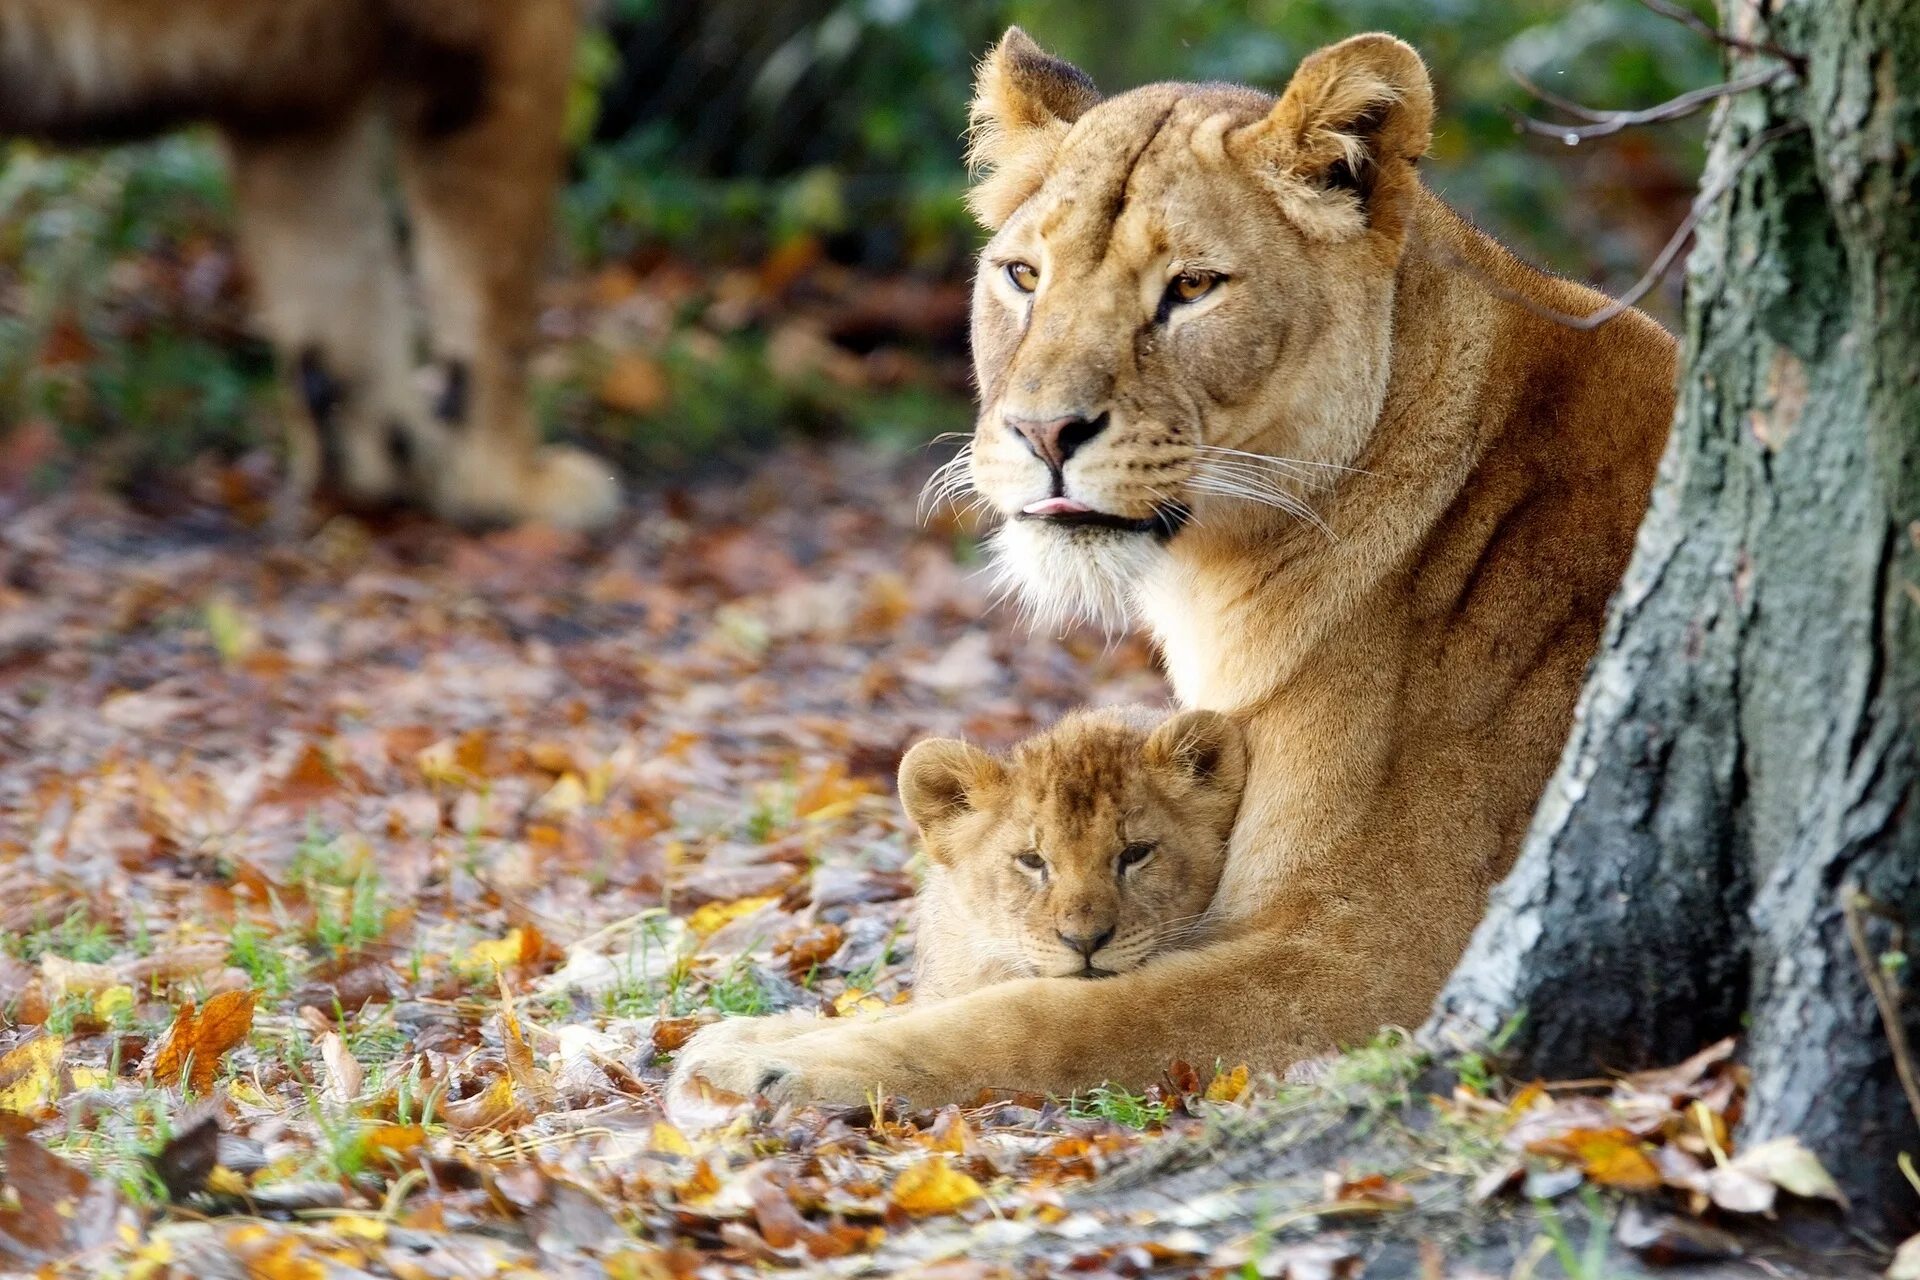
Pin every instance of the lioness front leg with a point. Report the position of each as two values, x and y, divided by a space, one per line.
480 159
1261 1000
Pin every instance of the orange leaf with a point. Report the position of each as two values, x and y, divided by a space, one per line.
634 383
198 1040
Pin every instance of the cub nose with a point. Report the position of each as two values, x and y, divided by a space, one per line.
1054 440
1087 943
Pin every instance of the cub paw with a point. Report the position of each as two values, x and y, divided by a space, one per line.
781 1059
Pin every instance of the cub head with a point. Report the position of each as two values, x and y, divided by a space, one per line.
1095 846
1184 312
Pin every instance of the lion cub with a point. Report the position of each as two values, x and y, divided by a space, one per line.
1094 847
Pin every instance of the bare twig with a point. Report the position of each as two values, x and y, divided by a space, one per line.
1855 906
1662 263
1687 17
1603 123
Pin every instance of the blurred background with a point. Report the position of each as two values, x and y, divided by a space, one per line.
762 235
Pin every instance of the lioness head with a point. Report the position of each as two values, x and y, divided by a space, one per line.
1186 303
1097 845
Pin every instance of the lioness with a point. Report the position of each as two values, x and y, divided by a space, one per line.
1096 846
1243 377
306 94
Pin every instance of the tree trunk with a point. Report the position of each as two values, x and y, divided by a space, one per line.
1746 751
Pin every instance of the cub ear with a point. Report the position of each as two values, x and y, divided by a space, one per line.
1340 145
1203 748
1024 101
942 778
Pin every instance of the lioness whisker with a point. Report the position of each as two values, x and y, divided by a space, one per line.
1272 457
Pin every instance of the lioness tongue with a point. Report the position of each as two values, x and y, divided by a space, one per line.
1056 507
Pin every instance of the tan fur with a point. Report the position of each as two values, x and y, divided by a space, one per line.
1405 661
1078 797
309 94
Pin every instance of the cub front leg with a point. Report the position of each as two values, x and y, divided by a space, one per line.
1264 1001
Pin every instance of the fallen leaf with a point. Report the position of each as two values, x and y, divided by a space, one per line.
492 1108
634 383
393 1143
1227 1086
344 1073
197 1041
1790 1166
51 1208
710 918
29 1074
933 1186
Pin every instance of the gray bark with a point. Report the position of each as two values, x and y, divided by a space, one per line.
1746 748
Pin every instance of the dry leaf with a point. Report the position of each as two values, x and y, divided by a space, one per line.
1790 1166
344 1074
634 383
710 918
1227 1086
933 1186
29 1075
196 1042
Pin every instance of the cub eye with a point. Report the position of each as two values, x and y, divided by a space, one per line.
1031 861
1024 275
1135 854
1191 286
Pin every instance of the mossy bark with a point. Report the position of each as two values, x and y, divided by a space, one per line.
1748 743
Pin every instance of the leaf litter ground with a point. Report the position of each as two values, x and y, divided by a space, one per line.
355 894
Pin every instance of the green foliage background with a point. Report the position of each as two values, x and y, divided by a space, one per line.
714 132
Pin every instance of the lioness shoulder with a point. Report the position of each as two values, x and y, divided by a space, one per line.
1091 848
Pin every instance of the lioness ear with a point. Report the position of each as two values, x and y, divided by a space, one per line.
942 778
1340 145
1024 101
1201 747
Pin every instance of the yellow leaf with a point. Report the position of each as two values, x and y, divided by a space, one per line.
567 795
393 1142
1227 1086
113 1002
855 1001
668 1140
710 918
933 1186
91 1077
361 1226
1529 1097
27 1074
224 1181
500 953
150 1259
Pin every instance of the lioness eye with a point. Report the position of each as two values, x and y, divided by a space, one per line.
1025 277
1191 286
1031 861
1135 854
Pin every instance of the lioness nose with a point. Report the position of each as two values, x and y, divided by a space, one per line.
1087 943
1054 440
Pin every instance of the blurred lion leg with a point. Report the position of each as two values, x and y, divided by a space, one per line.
481 150
317 234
